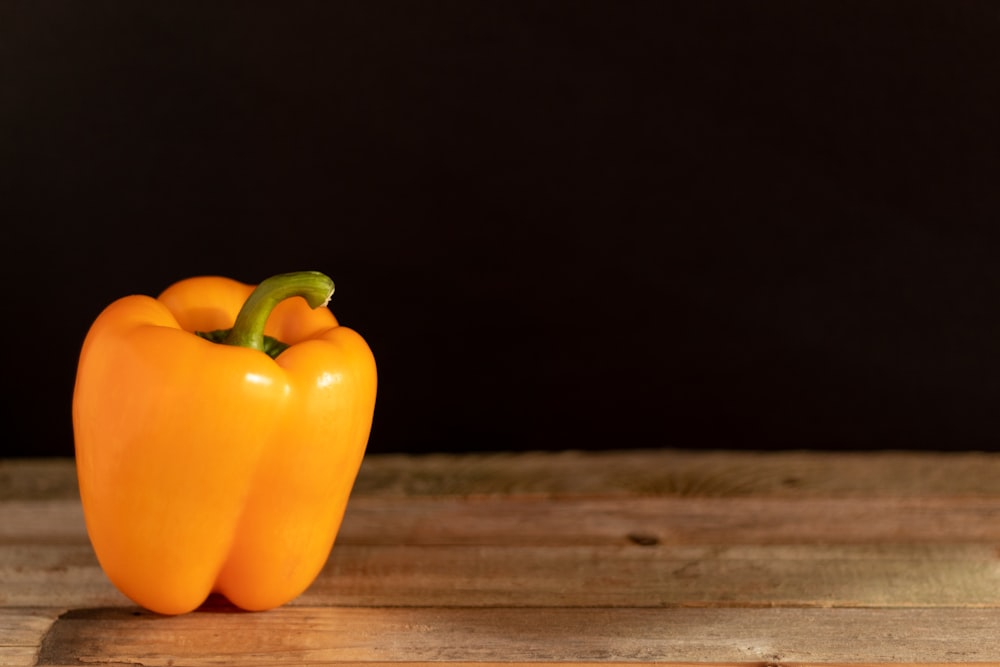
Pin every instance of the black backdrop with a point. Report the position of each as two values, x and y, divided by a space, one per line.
558 224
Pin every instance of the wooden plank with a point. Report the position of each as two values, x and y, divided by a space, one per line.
500 520
56 576
42 521
21 633
579 576
659 472
770 576
307 635
615 521
38 479
604 551
685 473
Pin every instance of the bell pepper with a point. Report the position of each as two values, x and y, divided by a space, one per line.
218 432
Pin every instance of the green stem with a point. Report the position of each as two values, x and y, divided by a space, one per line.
248 330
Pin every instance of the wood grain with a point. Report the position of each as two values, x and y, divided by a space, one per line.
605 551
20 633
627 576
304 635
579 558
629 472
600 520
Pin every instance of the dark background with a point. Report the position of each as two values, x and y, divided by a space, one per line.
558 224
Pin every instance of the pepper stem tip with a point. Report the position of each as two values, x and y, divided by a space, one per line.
248 330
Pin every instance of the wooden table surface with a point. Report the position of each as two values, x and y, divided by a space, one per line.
582 558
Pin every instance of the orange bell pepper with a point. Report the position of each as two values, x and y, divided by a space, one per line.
220 461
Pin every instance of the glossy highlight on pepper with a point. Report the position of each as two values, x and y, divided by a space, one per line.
219 429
